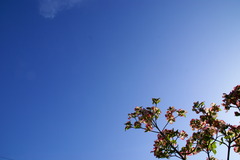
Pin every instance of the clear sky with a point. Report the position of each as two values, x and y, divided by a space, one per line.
71 71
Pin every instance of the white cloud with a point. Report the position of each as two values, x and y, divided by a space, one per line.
49 8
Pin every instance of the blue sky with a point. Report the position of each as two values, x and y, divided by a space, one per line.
71 71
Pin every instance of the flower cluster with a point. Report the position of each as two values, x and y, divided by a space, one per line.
170 114
164 146
232 100
144 116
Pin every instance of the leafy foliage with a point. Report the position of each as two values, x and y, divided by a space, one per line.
208 131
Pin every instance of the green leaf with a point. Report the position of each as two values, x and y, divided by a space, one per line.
214 151
155 100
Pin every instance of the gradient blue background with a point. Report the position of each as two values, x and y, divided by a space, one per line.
67 83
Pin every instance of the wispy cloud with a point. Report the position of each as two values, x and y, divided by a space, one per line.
49 8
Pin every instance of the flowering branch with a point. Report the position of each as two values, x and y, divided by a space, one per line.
208 130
